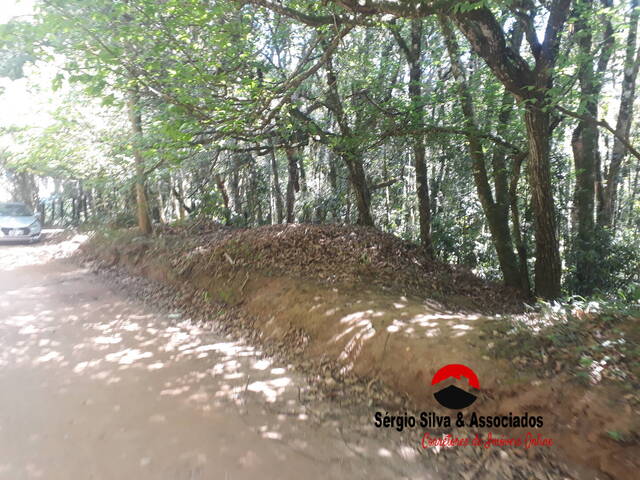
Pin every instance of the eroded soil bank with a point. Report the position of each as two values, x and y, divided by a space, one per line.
377 309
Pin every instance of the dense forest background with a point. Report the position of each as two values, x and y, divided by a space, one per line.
496 135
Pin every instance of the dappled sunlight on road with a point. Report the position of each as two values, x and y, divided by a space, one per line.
13 256
116 337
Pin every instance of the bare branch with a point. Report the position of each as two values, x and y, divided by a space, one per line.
603 124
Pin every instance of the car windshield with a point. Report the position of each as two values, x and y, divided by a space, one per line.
14 210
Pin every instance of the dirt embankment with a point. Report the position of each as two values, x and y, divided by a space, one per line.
378 308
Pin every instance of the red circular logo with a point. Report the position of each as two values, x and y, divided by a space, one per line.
453 397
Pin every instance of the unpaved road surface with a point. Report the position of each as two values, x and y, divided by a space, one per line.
95 385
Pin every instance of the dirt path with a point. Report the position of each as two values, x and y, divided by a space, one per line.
94 385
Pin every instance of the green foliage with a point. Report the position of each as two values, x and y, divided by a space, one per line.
223 83
15 49
617 436
616 264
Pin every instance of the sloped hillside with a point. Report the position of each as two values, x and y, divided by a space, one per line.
378 310
335 254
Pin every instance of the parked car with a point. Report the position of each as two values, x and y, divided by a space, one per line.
18 223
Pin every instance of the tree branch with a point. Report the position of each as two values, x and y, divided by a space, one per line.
307 19
603 124
388 183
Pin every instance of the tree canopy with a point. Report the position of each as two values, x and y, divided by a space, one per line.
497 135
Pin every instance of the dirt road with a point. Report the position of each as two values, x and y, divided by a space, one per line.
94 385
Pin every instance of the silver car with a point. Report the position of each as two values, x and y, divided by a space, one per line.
18 223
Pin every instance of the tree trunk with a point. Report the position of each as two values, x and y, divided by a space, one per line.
56 193
61 210
52 221
333 182
623 123
225 197
293 183
83 199
346 150
254 205
25 189
518 239
135 120
234 186
161 203
307 211
531 85
358 181
584 143
419 154
43 213
497 214
179 195
277 193
547 267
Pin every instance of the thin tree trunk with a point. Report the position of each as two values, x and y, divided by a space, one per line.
161 203
43 213
634 190
306 206
225 197
333 182
497 215
179 195
414 52
515 221
61 210
346 149
293 183
584 143
234 186
275 188
135 120
623 123
53 213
